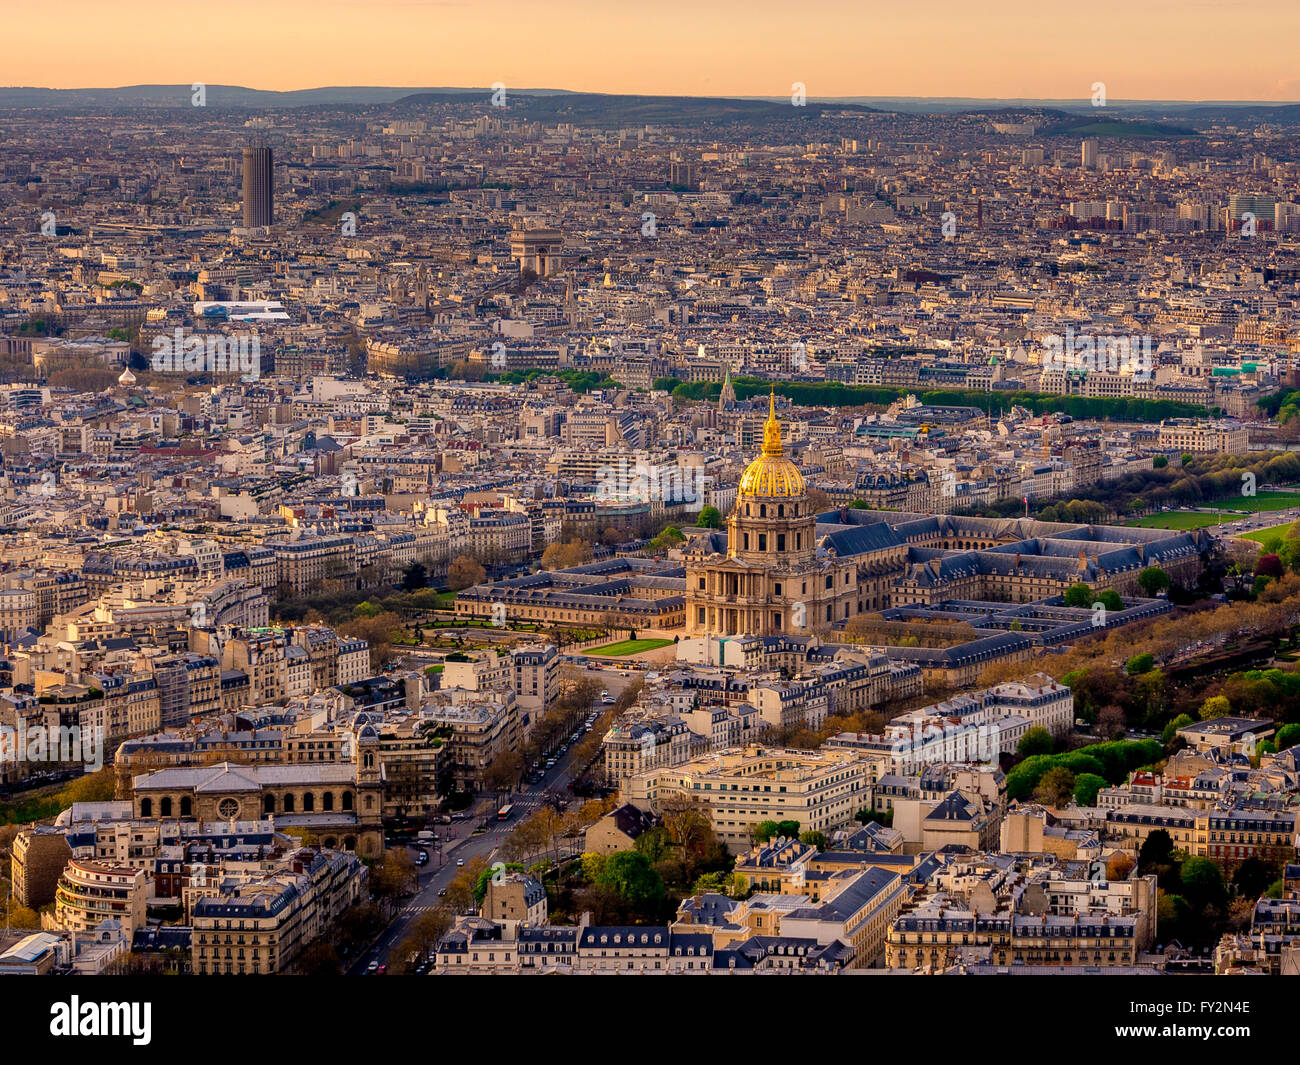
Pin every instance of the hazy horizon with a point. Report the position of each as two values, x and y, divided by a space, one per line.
1163 51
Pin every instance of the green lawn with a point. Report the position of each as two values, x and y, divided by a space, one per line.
1176 519
1264 501
1260 535
628 647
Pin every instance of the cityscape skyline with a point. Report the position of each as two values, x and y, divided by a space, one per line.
717 524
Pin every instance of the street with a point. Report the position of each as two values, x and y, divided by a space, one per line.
433 877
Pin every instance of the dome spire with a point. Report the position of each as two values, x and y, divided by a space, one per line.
772 429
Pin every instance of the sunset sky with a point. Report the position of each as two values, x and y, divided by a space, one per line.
1141 49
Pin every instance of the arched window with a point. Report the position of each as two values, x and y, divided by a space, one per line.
327 802
146 807
165 806
308 802
268 804
762 510
347 800
780 510
288 802
187 806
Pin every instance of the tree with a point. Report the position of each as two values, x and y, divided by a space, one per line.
710 518
465 572
1111 600
814 839
1142 663
504 772
1054 787
1252 878
1269 566
1119 866
634 879
593 865
653 843
1086 786
1079 595
670 537
1156 850
1159 462
1153 580
415 577
1171 729
1036 740
1111 721
566 555
1172 914
1215 706
460 892
688 827
1287 736
391 876
1203 883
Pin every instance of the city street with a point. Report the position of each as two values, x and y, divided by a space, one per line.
465 846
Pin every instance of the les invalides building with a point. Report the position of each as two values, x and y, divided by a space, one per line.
776 575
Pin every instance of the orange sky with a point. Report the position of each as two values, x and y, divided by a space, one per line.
1141 49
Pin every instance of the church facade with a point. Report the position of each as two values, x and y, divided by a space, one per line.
775 575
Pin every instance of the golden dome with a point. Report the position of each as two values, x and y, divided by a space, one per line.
772 475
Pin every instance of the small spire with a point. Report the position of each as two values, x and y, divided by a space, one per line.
772 429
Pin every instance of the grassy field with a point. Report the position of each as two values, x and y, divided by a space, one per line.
1263 501
1260 535
1176 519
628 647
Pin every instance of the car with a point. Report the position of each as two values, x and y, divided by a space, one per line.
422 858
460 862
381 970
373 967
442 892
605 694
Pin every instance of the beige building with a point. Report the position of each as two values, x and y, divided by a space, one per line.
89 892
821 790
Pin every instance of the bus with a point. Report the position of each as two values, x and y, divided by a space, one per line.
503 814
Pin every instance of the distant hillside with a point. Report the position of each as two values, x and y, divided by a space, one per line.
217 96
1092 126
613 110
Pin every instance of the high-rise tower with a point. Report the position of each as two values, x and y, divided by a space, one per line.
258 185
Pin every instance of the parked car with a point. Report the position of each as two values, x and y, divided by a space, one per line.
373 967
460 862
